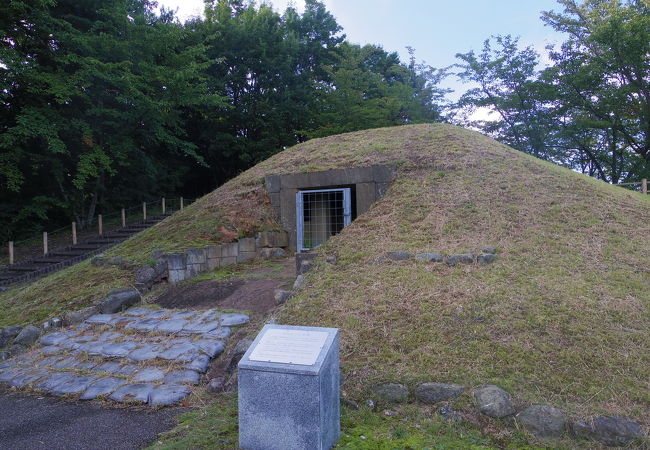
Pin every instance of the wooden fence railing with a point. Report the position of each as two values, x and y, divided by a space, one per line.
31 247
643 183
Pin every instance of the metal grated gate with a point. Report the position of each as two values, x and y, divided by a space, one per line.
321 214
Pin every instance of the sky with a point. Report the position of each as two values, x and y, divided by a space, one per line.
436 29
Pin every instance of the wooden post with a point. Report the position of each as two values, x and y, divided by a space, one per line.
144 210
11 253
163 205
45 242
181 202
74 233
101 224
123 218
644 186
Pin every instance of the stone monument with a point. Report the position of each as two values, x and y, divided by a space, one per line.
289 389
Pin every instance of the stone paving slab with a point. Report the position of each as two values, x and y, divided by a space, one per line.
146 352
182 376
51 350
130 393
109 367
120 349
233 319
199 364
50 382
149 374
103 386
57 338
220 333
140 355
210 347
75 385
100 318
168 394
119 321
9 374
28 377
199 327
136 311
7 364
180 352
147 324
172 326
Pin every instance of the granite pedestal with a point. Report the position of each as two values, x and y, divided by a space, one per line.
289 389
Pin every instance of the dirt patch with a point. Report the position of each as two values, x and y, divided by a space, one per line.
254 291
282 269
204 294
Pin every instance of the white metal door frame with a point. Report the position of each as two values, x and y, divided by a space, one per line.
300 211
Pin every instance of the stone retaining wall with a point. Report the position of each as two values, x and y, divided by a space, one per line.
182 266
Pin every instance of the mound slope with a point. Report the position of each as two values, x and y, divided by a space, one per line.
561 317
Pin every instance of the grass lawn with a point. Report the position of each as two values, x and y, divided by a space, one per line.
407 427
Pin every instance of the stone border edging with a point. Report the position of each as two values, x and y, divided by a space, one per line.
542 421
486 256
177 267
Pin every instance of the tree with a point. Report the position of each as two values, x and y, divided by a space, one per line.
106 103
507 84
94 100
268 66
590 110
602 73
370 88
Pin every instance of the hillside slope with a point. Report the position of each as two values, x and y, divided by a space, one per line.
561 317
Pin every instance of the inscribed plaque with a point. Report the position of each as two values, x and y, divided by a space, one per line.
289 346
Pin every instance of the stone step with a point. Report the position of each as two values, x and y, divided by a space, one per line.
67 253
120 234
85 247
24 268
46 261
101 241
61 255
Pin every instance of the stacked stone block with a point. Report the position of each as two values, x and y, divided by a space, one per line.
246 249
272 239
229 253
213 253
176 265
267 244
197 262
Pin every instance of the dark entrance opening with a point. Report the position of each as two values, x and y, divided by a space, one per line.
320 214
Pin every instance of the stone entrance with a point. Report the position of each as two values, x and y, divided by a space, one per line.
366 184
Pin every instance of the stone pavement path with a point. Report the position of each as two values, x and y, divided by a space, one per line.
141 355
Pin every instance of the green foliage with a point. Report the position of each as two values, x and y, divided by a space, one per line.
95 95
369 88
506 79
590 109
106 104
603 76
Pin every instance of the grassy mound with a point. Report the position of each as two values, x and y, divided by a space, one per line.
561 317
